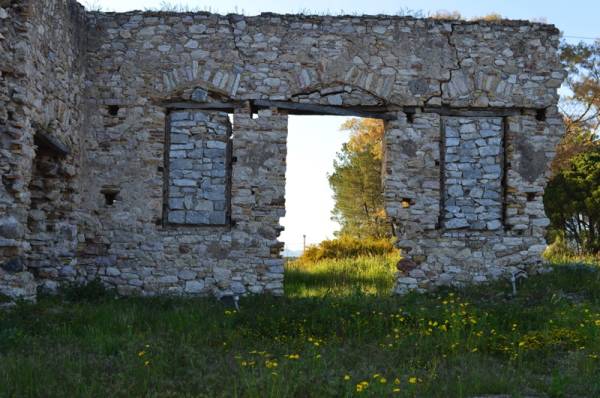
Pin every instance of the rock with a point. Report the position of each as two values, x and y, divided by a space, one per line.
13 265
10 228
406 265
49 287
494 225
456 223
199 95
168 279
67 271
238 288
194 287
187 275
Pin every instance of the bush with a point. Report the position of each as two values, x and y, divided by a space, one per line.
560 252
88 292
348 247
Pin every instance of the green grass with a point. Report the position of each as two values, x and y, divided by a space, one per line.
477 341
341 277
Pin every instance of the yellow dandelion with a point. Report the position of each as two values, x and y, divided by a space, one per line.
347 377
141 353
412 380
360 387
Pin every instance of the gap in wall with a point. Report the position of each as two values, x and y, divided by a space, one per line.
313 142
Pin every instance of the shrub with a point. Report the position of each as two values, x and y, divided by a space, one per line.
348 247
560 252
88 292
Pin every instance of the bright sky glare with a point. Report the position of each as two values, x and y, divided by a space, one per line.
313 141
312 144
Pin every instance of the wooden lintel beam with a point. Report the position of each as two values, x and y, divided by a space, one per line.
49 144
471 112
316 109
208 106
384 113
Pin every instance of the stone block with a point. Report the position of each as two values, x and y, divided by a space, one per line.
194 287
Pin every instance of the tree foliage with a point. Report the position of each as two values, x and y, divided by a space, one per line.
356 182
572 201
572 198
580 105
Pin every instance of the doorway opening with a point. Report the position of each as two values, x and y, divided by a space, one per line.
337 238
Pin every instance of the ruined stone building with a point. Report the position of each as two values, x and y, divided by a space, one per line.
119 161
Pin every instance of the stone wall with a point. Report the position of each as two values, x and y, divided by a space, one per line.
473 163
159 193
198 166
41 83
503 231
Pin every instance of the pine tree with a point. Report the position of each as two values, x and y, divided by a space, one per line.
356 182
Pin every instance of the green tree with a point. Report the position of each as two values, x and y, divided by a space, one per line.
572 201
580 105
356 182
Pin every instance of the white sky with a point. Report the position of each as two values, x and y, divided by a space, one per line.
312 144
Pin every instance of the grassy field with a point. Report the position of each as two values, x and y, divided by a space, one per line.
336 333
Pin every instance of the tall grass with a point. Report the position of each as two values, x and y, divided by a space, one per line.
559 252
349 247
373 275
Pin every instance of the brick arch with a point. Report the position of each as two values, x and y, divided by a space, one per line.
223 82
343 72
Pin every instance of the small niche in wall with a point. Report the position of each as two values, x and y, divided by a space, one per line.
113 110
110 194
530 196
406 203
540 115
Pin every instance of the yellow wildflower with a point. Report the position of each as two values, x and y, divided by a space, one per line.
360 387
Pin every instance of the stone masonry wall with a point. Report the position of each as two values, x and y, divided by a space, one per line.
198 168
473 162
513 238
129 93
41 82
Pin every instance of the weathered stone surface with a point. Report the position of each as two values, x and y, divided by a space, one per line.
472 173
202 163
196 209
13 265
